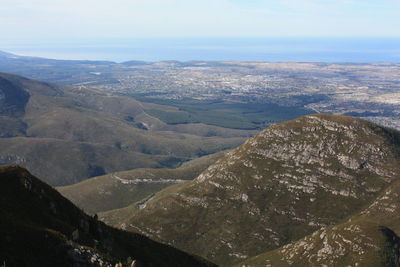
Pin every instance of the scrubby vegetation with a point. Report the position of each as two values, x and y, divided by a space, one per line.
287 182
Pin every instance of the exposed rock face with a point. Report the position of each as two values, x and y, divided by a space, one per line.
285 183
369 238
385 210
358 243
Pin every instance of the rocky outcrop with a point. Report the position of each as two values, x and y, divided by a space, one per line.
354 243
369 238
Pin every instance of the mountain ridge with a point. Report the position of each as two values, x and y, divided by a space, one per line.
285 183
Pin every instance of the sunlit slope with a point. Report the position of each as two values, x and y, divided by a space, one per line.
285 183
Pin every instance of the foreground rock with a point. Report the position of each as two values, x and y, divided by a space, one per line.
38 227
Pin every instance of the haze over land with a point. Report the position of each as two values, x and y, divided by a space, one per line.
250 90
155 30
271 49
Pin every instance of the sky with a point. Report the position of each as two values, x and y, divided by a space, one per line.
75 19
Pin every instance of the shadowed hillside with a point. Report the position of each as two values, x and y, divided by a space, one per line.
40 228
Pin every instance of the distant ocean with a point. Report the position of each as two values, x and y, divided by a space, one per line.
243 49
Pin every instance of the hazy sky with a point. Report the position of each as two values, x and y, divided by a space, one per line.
46 19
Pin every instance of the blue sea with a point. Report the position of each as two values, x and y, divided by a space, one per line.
214 49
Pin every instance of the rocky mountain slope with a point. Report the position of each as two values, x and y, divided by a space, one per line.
287 182
354 243
369 238
120 189
67 134
39 227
